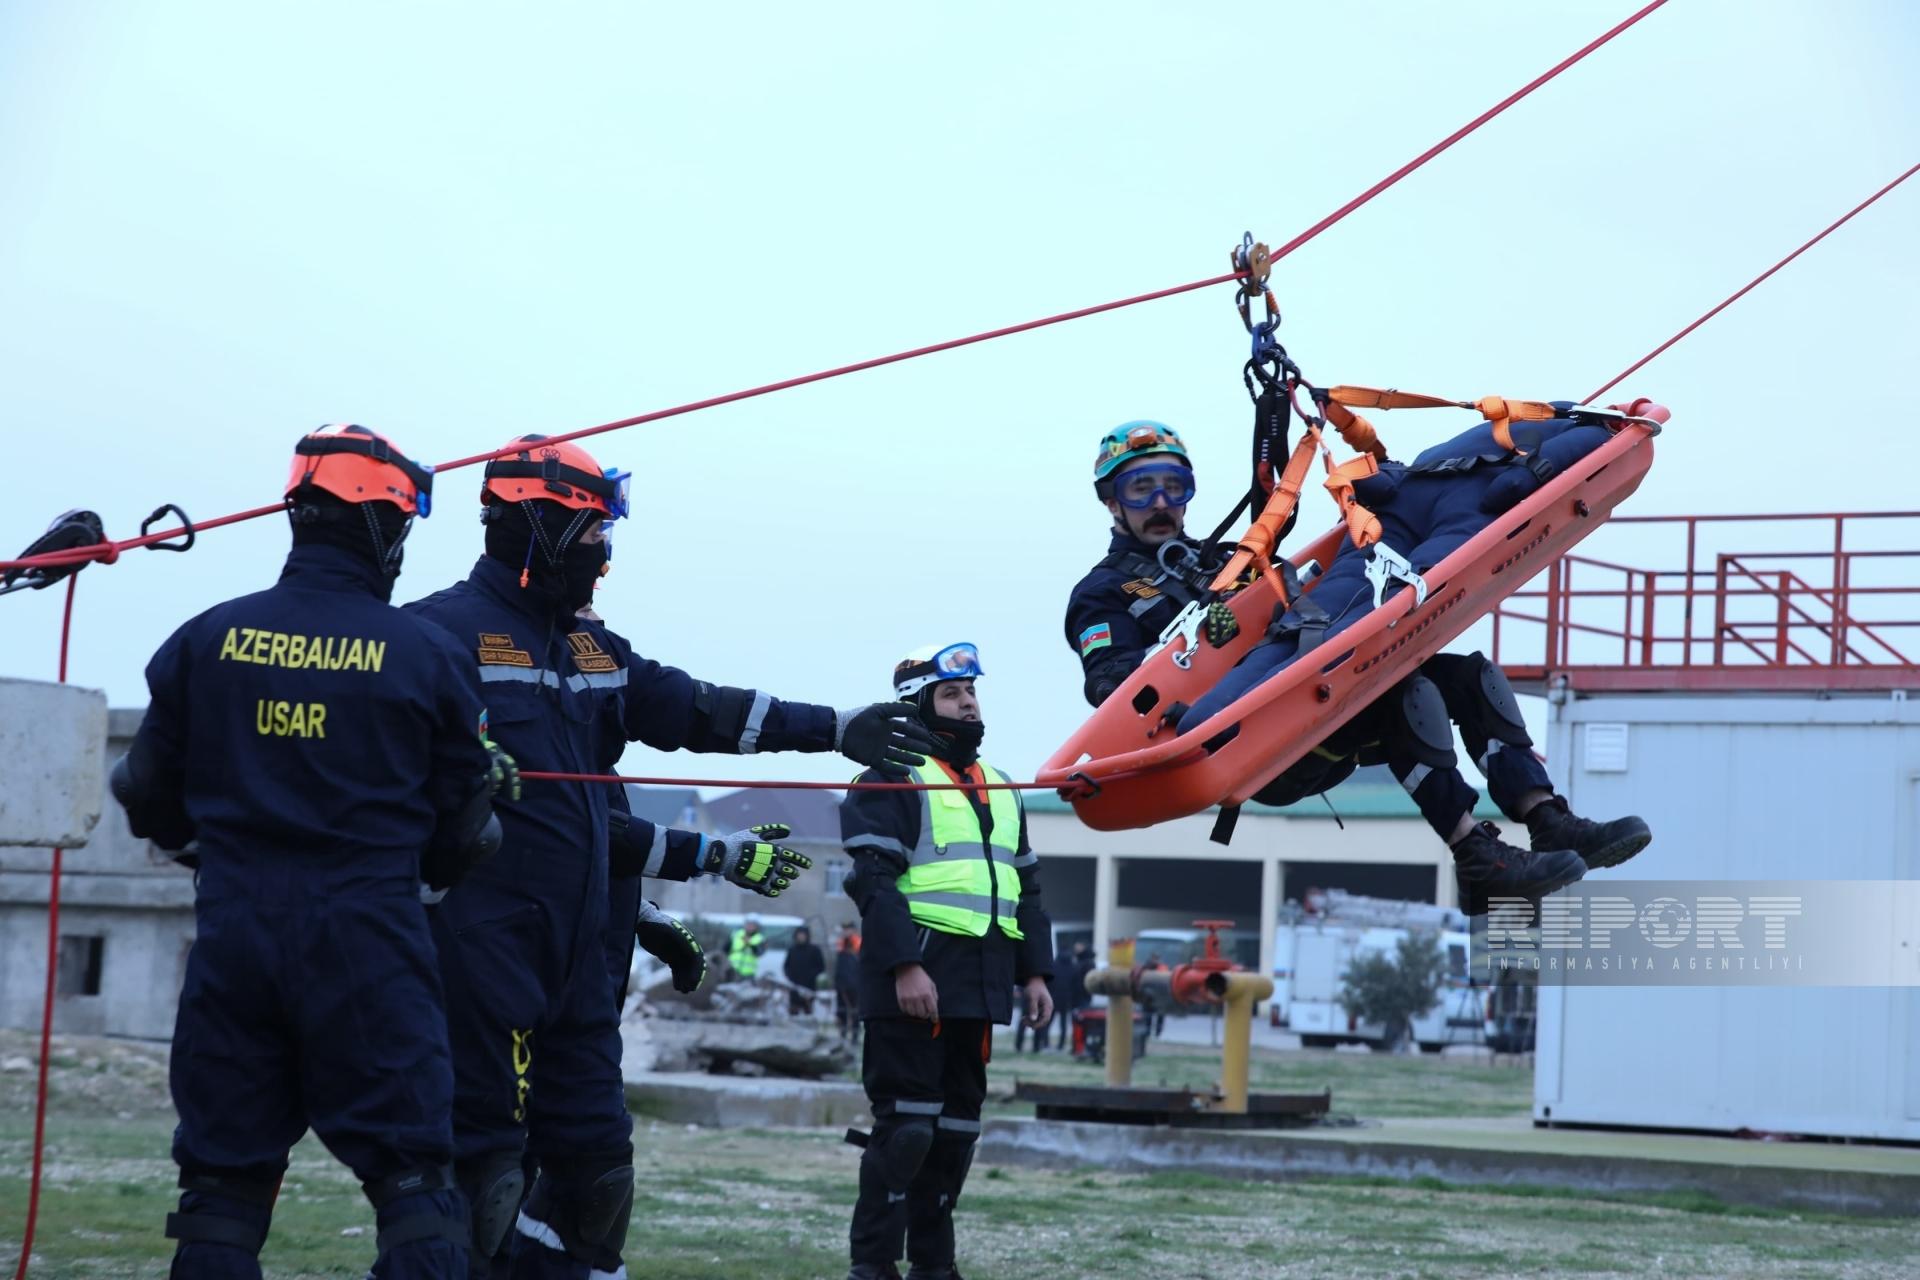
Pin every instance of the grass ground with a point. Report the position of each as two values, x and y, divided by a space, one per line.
773 1205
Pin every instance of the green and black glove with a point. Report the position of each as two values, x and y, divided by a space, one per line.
1221 625
752 860
673 944
503 775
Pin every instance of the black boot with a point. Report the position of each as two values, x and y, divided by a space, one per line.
944 1273
1484 866
873 1271
1553 825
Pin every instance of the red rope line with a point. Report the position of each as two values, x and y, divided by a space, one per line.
536 775
111 551
46 1015
1749 287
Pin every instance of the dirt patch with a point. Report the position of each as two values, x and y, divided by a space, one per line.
123 1078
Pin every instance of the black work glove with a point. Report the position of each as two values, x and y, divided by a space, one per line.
751 859
886 736
673 944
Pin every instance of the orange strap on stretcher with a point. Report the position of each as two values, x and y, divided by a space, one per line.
1497 410
1262 538
1253 557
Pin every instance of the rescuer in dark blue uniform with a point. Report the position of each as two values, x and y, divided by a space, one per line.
522 947
1152 571
319 756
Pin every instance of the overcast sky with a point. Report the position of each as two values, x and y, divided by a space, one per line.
224 224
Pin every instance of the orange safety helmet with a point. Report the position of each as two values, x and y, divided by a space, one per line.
555 472
357 465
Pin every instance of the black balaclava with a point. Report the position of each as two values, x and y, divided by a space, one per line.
958 740
373 531
542 539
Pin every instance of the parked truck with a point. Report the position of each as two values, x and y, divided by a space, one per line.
1315 942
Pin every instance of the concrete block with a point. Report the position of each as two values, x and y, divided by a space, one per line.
746 1102
1878 1183
54 740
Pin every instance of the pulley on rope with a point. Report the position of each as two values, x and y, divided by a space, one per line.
75 540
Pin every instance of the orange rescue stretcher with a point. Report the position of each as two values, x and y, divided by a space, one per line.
1125 767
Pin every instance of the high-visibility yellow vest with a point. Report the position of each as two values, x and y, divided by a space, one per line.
741 956
957 881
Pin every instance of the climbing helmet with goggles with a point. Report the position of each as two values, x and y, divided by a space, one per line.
559 472
1130 440
934 663
356 465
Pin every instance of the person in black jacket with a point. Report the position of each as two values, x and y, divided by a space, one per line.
951 917
846 983
803 967
1066 985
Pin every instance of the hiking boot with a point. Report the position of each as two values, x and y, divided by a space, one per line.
874 1271
1484 866
1553 825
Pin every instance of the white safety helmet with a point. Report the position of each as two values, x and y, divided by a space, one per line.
934 663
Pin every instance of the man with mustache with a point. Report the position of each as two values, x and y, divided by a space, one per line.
1152 571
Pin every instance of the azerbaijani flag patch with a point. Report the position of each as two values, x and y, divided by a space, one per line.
1098 636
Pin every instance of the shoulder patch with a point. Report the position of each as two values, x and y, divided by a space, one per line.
588 656
497 649
1097 636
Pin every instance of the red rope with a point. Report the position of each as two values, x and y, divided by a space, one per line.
536 775
1749 287
46 1016
111 551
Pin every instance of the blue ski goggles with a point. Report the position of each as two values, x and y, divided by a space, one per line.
1138 489
958 662
955 662
617 504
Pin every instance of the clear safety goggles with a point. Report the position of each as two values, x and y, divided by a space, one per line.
1138 488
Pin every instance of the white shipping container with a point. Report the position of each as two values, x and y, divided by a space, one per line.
1737 787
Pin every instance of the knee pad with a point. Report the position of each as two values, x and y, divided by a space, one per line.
953 1153
1429 730
415 1205
1501 705
586 1204
899 1147
494 1184
231 1209
604 1207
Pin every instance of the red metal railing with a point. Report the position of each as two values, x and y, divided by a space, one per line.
1749 605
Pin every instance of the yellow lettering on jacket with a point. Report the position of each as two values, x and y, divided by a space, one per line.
279 719
314 653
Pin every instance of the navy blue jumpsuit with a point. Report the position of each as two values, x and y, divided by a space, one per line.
313 733
523 939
